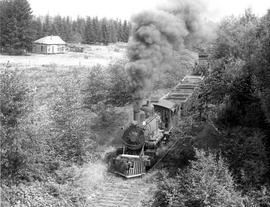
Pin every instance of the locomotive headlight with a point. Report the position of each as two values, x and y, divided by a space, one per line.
144 123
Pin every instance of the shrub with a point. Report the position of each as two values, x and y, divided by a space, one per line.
119 91
108 85
71 135
17 141
96 88
207 182
39 194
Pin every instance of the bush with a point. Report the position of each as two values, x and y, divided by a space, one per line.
119 91
17 140
108 85
72 139
207 182
96 89
38 194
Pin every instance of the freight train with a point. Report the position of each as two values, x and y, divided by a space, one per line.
153 122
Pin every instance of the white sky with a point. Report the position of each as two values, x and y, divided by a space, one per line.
123 9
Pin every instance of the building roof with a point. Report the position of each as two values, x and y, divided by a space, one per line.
50 40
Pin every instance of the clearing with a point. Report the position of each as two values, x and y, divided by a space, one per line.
92 55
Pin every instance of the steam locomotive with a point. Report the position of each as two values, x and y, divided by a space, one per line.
153 122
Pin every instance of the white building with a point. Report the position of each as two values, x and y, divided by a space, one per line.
49 45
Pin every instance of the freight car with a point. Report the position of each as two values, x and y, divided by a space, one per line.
152 126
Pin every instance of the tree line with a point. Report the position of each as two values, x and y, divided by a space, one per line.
89 30
19 28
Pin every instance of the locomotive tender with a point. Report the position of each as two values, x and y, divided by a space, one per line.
151 127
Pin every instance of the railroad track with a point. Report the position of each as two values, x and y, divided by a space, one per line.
119 192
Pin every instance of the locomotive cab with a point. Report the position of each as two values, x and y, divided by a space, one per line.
167 111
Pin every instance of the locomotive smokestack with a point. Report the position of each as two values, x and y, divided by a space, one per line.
136 110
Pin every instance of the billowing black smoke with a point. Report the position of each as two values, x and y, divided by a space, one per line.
156 36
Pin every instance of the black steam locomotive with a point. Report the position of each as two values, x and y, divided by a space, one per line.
153 122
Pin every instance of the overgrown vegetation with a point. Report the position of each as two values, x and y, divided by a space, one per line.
205 182
108 85
228 118
42 150
16 137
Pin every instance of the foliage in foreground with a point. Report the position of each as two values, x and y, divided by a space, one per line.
37 154
206 182
62 191
17 139
230 113
234 89
72 139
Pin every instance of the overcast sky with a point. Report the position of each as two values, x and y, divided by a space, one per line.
123 9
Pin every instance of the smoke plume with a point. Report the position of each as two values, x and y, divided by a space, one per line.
156 36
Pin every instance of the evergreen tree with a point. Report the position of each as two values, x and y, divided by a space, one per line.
67 29
57 26
98 30
89 30
105 32
8 26
112 31
23 15
47 26
9 37
37 28
119 31
16 21
125 31
95 29
89 33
